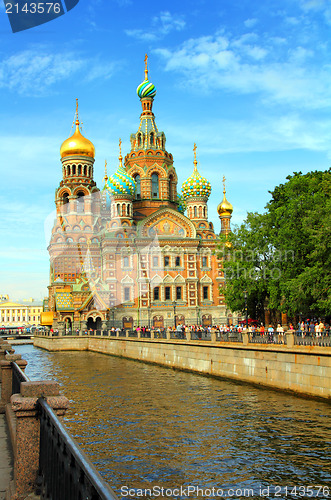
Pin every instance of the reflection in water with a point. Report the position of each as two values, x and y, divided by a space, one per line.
144 425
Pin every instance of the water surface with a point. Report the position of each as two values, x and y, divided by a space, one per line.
145 426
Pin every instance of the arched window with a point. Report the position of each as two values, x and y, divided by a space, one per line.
138 187
118 209
65 202
80 202
204 212
155 186
73 169
139 140
151 138
195 212
128 209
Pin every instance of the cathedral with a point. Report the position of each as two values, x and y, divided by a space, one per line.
135 252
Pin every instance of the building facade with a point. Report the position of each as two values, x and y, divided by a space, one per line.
14 314
128 255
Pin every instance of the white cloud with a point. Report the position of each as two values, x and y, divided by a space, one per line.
33 71
247 64
161 25
249 23
141 35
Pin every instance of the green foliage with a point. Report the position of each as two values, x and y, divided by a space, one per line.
282 257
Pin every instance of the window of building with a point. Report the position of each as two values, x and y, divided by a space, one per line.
155 261
195 212
138 187
126 293
167 293
80 202
178 293
156 293
177 261
205 292
155 186
125 261
166 261
204 261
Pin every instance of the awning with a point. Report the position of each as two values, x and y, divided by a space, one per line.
46 318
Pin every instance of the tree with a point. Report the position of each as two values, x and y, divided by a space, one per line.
282 257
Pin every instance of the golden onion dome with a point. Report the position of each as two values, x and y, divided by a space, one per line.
77 144
224 208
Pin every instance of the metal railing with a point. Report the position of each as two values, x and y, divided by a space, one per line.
65 473
323 341
267 339
18 376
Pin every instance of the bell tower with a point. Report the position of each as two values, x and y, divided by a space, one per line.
149 163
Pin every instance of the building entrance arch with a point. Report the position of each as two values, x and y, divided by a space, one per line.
94 324
68 325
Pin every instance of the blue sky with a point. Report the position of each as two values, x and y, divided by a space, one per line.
248 81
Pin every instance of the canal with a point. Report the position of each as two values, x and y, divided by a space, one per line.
146 426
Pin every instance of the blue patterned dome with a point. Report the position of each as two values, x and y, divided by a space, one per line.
196 186
181 204
121 183
146 89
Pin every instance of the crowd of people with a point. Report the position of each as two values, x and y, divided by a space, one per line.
306 328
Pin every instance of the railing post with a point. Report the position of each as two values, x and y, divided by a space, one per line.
7 377
168 334
26 446
245 338
213 335
289 338
188 334
3 348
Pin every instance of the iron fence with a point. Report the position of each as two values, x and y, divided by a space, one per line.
323 341
64 470
18 376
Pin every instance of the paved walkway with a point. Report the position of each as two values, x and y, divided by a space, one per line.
6 458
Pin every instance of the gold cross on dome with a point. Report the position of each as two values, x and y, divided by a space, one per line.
146 70
224 184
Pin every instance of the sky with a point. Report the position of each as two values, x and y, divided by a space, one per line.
248 81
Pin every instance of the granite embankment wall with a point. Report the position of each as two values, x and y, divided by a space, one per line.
305 370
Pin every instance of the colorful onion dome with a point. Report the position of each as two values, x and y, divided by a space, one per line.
196 185
146 89
121 183
181 203
224 208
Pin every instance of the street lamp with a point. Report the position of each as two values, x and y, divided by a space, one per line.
174 304
112 310
198 316
149 316
245 295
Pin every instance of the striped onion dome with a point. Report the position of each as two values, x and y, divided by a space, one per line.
121 183
196 186
146 89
